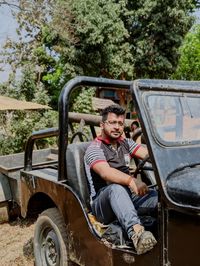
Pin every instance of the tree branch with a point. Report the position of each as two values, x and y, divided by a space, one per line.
11 5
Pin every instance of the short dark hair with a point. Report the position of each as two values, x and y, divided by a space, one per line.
115 108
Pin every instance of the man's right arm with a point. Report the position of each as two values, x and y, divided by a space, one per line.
95 159
113 175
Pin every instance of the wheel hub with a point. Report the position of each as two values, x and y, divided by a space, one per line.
51 249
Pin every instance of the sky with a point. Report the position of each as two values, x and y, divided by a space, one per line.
8 29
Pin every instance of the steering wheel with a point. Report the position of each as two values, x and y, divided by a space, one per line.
140 167
138 133
82 136
146 172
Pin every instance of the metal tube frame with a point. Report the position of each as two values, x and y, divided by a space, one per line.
63 108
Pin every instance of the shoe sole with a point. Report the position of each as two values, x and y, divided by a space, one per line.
146 242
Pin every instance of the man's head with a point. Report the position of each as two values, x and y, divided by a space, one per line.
112 124
115 109
134 125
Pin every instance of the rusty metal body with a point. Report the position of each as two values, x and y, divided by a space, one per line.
84 246
61 184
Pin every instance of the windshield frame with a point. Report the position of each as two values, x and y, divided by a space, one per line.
154 127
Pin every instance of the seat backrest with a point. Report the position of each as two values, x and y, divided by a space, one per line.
76 171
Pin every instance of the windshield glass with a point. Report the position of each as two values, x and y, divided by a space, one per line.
175 118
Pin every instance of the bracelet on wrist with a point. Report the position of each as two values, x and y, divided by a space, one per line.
129 181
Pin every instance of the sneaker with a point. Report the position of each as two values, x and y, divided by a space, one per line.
143 241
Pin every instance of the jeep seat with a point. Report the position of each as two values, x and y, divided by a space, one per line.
76 171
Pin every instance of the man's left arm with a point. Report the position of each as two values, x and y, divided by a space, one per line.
141 152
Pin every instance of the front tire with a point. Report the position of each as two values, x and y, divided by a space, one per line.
50 238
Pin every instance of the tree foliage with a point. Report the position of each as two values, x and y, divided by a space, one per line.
189 63
159 28
17 126
120 39
83 103
59 39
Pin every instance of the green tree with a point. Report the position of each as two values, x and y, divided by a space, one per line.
120 39
189 63
59 39
17 126
83 103
157 29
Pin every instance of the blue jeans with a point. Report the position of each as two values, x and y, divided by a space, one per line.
117 201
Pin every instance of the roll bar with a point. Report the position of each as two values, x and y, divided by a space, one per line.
28 155
63 107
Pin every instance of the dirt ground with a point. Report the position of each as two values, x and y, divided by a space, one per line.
16 245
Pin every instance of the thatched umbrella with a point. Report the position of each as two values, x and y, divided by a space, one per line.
10 104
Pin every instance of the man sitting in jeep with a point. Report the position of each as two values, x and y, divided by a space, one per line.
114 193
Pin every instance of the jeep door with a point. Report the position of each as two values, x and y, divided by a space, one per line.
169 113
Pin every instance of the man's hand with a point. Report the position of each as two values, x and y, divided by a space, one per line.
138 187
133 187
142 187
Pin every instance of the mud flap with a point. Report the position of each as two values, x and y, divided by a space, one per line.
5 196
4 213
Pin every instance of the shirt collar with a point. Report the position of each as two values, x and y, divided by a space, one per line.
107 139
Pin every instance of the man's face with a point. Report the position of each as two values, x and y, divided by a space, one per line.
113 127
